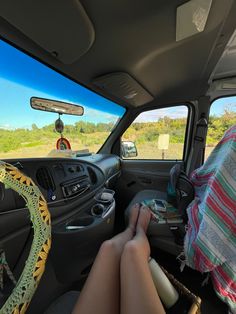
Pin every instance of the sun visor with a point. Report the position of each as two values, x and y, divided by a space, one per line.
124 87
225 84
191 18
62 28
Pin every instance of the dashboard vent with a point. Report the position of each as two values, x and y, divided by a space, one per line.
92 175
45 179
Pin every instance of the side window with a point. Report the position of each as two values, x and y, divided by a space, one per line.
156 134
222 117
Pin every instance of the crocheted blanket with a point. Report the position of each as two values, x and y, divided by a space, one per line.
210 241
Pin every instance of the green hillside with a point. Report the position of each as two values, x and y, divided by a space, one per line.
92 136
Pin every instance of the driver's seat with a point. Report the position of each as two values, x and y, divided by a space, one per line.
64 304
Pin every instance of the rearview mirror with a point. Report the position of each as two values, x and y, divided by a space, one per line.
128 149
56 106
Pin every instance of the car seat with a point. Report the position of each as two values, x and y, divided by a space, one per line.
64 304
180 192
210 241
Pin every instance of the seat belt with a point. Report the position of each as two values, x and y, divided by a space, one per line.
198 149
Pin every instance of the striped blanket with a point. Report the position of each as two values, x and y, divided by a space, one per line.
210 242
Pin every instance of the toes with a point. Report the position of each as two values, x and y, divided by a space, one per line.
144 218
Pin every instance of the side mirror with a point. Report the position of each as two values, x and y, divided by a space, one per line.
128 149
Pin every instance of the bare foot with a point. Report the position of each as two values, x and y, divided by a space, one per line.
133 217
143 219
140 240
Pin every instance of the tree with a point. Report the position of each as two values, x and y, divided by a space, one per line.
34 127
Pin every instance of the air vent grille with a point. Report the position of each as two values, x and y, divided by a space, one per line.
92 175
45 179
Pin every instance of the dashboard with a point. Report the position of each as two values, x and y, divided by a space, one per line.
64 180
81 217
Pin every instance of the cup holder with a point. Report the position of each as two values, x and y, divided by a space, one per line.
79 223
105 197
97 210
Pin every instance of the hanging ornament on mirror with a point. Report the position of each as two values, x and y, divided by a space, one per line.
59 125
62 142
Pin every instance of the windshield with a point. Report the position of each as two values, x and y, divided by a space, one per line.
25 132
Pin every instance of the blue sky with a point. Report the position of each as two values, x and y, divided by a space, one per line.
22 77
16 110
181 111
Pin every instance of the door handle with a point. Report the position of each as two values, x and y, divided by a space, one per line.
145 180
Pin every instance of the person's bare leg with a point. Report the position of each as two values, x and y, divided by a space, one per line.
138 293
101 292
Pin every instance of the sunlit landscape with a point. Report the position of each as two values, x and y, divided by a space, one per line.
38 142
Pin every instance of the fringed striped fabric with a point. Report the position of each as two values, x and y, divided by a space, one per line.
210 242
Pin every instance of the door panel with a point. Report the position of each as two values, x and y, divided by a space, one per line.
157 138
138 175
13 245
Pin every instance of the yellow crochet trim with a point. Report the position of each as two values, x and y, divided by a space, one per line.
19 300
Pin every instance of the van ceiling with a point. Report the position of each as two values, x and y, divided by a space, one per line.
137 38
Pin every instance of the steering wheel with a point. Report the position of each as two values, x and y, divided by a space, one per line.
18 301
